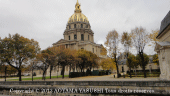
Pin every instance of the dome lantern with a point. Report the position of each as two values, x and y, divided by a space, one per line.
78 15
77 8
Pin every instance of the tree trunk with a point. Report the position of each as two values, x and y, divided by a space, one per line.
90 71
116 66
129 61
19 74
143 64
117 70
70 68
44 75
5 72
62 72
130 72
51 67
32 74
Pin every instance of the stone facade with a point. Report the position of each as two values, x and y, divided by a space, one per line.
78 35
122 64
163 48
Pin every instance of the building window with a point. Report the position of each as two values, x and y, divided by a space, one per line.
74 25
93 50
69 27
86 26
69 37
82 37
82 48
122 69
81 25
66 45
75 36
88 37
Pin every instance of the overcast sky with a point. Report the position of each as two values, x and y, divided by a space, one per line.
45 20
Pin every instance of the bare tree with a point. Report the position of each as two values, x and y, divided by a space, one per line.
33 65
112 42
140 38
126 41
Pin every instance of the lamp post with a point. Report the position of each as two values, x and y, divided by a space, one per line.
5 72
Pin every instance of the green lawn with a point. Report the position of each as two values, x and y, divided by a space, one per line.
13 77
141 75
37 78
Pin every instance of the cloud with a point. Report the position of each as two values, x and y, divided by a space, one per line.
45 21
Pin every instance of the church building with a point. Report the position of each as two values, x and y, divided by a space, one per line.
78 33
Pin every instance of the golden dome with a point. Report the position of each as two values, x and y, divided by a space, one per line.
78 16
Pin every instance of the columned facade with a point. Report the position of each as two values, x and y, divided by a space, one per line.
163 48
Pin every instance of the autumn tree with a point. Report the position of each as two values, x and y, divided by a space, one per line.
48 57
43 59
132 62
103 51
64 58
112 42
83 58
153 36
126 41
92 60
140 38
72 64
108 64
156 59
33 65
52 53
16 50
139 60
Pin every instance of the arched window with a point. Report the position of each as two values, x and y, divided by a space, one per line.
88 37
122 69
75 36
74 25
81 25
69 37
82 37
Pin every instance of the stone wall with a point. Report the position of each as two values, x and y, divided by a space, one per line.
85 88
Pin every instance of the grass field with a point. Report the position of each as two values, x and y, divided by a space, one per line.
37 78
141 75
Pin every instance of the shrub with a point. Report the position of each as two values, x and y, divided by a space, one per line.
76 74
95 72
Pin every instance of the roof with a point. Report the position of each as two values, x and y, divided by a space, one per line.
122 62
165 23
166 43
78 16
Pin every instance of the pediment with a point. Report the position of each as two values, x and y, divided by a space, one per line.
160 45
157 47
60 41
